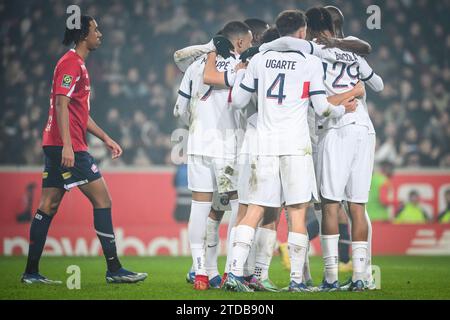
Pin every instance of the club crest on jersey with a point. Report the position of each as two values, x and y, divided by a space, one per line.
66 81
94 168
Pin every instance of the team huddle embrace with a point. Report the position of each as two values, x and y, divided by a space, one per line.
278 120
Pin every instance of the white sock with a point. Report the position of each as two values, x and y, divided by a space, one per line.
242 243
249 265
197 234
230 241
306 269
212 247
298 246
265 241
330 256
234 204
359 256
369 247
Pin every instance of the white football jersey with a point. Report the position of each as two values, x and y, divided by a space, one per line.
250 114
342 71
284 82
213 123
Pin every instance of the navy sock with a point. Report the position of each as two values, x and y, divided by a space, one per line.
38 234
105 233
344 245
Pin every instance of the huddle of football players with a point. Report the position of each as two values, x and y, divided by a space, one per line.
278 121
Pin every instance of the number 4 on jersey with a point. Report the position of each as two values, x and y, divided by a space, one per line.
279 81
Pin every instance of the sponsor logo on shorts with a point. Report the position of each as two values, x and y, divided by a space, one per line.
44 175
66 81
66 175
94 168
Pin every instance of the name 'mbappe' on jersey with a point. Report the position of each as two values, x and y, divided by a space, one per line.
213 123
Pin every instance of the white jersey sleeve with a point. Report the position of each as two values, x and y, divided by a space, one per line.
291 43
250 81
367 75
240 95
185 57
351 38
185 89
318 93
181 108
243 91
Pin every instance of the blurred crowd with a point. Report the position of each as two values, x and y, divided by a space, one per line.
134 80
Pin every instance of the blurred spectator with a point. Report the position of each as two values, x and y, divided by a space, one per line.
411 212
444 216
379 195
134 80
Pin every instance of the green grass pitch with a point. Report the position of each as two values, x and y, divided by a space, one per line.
401 278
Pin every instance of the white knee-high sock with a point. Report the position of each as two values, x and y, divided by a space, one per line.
306 269
330 256
298 246
212 247
249 265
234 204
359 256
265 241
369 247
197 234
242 243
230 242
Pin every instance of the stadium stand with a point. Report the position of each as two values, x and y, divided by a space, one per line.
134 78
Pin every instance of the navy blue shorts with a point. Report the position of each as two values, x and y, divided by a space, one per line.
84 171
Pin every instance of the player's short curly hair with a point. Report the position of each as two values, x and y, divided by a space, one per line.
77 35
234 29
269 35
258 27
289 21
319 20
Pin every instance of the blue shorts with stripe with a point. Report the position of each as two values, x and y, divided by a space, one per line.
84 171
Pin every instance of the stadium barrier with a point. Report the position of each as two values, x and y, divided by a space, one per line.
144 202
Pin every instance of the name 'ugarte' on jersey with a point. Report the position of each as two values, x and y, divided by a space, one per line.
342 71
285 81
213 124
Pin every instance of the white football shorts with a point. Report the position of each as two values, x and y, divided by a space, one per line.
244 177
277 179
347 156
208 174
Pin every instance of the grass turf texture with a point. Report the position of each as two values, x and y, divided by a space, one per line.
401 278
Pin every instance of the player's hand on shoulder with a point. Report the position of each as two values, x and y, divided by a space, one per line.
212 55
223 46
327 42
247 54
67 157
115 148
240 65
349 104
